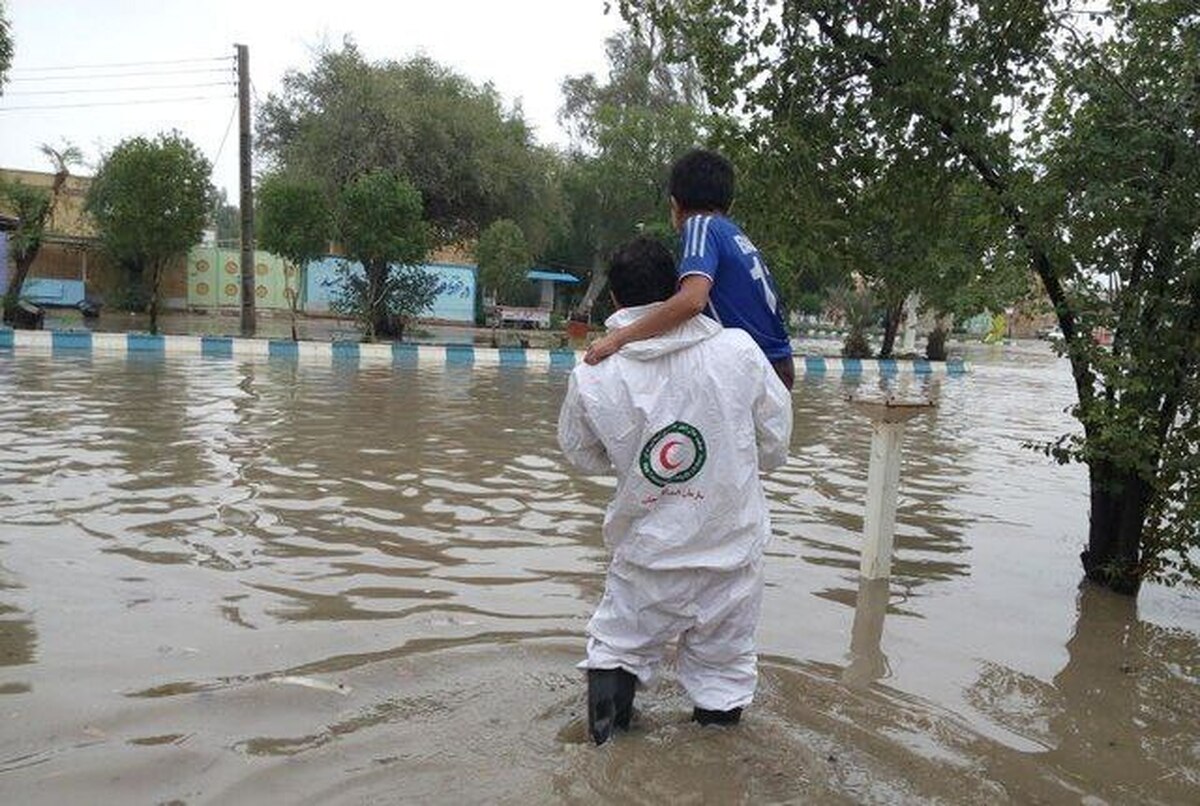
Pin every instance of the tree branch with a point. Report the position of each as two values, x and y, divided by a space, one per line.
991 177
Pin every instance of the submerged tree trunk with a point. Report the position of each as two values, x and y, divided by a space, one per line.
891 326
1118 514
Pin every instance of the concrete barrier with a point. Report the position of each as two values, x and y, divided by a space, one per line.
399 354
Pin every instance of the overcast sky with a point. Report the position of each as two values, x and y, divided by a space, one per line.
524 47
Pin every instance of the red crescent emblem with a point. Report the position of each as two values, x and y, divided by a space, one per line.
665 451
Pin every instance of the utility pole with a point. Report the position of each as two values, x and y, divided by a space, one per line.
247 195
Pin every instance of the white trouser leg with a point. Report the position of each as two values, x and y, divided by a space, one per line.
718 664
712 613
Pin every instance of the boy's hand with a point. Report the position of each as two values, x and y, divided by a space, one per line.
603 347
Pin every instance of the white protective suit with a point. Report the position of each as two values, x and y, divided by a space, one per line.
687 421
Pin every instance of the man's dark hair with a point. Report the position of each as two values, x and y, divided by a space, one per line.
702 181
640 272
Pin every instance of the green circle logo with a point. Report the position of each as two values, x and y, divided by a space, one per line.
673 455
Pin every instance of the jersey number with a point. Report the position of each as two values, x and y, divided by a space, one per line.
759 272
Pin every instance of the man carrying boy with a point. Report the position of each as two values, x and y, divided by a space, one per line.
687 420
721 273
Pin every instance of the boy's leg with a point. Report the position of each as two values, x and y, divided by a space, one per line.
718 664
785 368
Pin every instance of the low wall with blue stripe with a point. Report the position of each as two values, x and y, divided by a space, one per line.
66 342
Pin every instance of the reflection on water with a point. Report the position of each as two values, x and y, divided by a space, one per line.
223 568
867 661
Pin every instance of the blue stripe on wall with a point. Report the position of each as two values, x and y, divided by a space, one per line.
852 366
405 354
71 340
562 358
887 366
6 338
345 351
460 354
144 343
814 365
512 356
956 366
216 346
282 348
922 367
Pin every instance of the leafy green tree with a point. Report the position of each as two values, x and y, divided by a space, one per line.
859 309
404 293
381 226
472 159
293 221
504 258
6 47
150 200
626 133
34 208
1100 187
31 206
226 220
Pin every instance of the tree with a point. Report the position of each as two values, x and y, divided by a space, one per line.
380 226
626 133
472 160
1100 187
6 47
226 220
34 208
150 200
919 229
295 222
858 310
503 258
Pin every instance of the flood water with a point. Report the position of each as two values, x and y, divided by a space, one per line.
256 582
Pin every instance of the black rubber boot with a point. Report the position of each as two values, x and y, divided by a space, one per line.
610 702
706 717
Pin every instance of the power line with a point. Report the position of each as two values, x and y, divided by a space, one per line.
134 74
225 136
116 103
124 89
118 64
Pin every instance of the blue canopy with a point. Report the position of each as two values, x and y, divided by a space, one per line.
552 276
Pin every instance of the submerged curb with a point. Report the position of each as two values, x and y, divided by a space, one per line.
327 352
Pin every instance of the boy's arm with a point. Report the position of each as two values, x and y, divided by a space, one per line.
772 418
576 437
690 299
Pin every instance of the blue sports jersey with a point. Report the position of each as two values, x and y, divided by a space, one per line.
743 295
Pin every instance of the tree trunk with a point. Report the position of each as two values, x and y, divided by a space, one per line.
891 326
595 285
152 305
13 293
377 317
1118 516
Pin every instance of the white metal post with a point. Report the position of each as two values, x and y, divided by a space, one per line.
883 478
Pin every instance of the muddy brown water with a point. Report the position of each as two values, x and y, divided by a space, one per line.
252 582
